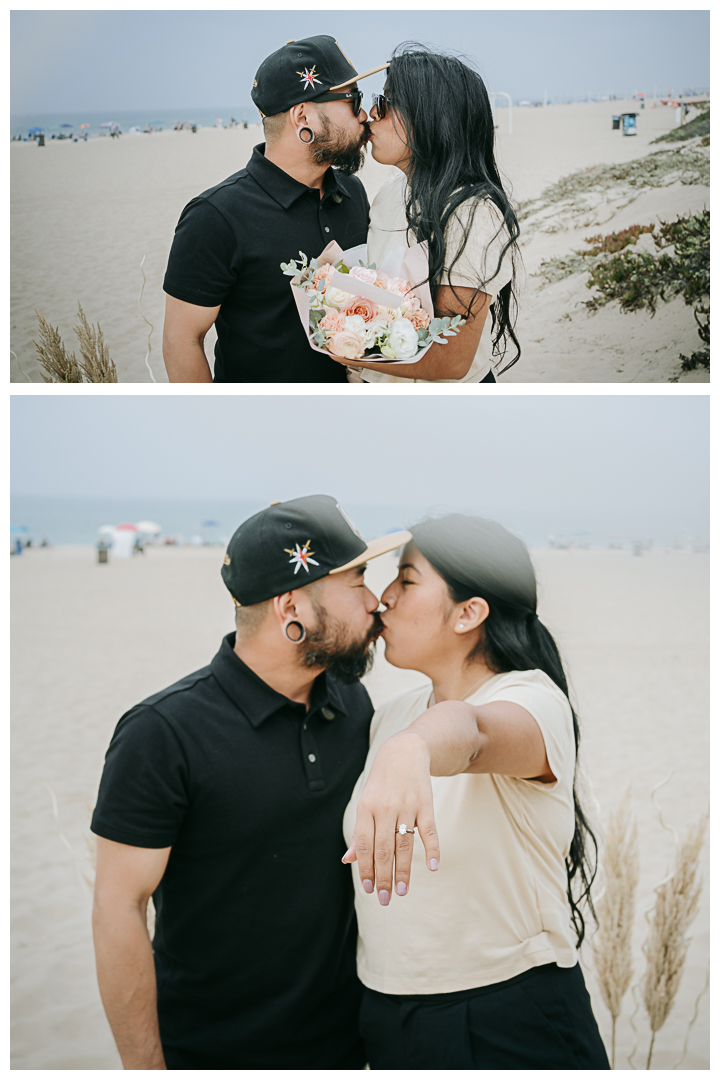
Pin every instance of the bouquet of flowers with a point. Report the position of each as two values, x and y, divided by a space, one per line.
360 312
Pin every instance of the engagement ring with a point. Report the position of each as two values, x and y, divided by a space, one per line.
402 829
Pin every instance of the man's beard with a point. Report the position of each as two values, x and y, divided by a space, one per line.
331 647
333 146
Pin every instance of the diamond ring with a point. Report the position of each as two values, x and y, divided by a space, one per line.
402 829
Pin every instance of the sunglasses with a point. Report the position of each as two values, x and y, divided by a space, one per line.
355 96
381 103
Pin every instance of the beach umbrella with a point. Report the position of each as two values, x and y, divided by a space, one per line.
126 527
84 125
33 131
18 528
151 528
67 125
210 524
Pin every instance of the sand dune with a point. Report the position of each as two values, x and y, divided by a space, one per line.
90 640
84 215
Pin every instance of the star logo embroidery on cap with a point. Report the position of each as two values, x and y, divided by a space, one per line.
309 78
301 557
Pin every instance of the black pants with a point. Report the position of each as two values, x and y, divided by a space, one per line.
541 1019
353 1058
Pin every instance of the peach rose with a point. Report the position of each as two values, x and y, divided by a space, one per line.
363 273
332 321
382 280
386 314
358 305
322 276
346 344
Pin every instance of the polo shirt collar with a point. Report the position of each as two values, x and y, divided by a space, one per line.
282 187
256 700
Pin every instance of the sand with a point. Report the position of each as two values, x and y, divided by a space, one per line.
89 641
84 215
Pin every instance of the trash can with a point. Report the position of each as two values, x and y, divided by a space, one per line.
616 123
629 123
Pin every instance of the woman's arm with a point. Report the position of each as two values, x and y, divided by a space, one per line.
452 360
450 738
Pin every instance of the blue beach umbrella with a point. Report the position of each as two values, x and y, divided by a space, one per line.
35 130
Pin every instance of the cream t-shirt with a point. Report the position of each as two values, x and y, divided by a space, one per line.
498 904
478 262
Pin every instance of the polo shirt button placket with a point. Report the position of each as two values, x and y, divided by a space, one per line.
313 772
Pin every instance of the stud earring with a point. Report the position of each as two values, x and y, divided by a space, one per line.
461 626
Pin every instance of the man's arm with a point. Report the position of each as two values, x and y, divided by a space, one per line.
183 335
126 878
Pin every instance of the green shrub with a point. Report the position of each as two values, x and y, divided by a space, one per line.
699 125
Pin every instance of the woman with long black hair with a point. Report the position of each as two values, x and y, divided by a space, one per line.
435 123
474 965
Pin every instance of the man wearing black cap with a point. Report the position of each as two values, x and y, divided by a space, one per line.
224 266
215 790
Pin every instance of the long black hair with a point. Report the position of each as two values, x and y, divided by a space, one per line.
450 132
478 557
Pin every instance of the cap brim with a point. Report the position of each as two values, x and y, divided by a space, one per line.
381 546
356 78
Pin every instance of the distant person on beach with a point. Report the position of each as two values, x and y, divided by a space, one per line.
222 798
297 193
474 965
434 122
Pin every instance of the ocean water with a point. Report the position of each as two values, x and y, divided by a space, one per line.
60 520
76 521
69 123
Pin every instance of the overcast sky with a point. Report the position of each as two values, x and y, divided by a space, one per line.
126 60
632 465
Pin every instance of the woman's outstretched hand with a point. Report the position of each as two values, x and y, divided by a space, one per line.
398 792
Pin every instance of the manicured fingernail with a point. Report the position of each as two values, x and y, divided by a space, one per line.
368 885
384 897
401 888
345 855
433 864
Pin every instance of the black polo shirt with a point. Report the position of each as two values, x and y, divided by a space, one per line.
227 250
255 934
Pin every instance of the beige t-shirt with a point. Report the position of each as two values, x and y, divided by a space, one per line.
478 262
498 904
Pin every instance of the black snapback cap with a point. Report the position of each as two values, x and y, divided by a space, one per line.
292 543
301 71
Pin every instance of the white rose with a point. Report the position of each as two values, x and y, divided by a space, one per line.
336 297
403 339
356 323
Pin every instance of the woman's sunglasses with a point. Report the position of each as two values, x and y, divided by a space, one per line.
355 96
381 104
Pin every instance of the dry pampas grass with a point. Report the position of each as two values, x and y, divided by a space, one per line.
612 943
667 944
63 366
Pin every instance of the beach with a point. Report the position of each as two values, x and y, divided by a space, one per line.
91 220
90 640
